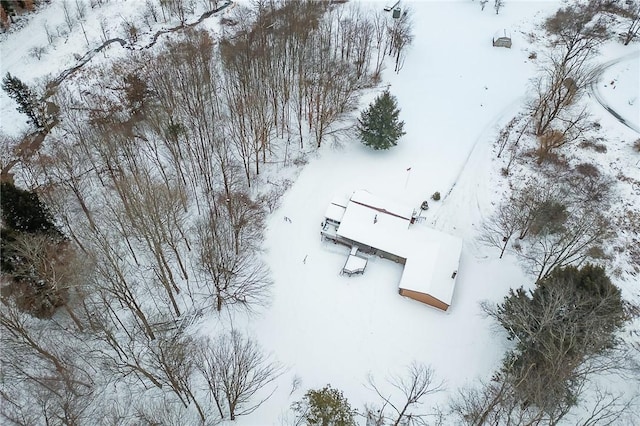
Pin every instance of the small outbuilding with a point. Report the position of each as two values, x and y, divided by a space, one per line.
502 39
392 5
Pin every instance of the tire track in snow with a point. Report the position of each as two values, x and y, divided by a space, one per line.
595 83
470 189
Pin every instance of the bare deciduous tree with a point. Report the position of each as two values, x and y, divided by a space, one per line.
411 389
227 258
577 239
501 226
631 11
236 371
68 15
173 357
487 404
578 29
400 33
575 33
177 8
505 133
497 5
10 155
45 377
164 412
50 271
609 408
517 214
557 222
554 120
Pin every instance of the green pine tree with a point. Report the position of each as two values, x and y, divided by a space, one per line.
572 317
23 211
378 126
24 97
325 407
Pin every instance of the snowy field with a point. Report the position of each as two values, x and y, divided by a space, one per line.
455 92
619 86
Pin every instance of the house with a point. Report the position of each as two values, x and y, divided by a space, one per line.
381 227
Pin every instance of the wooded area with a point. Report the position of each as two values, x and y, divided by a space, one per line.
150 173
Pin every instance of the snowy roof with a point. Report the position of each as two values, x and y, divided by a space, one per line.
373 228
385 206
335 211
354 264
502 33
431 256
430 267
340 200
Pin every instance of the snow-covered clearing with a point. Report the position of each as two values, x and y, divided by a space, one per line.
455 91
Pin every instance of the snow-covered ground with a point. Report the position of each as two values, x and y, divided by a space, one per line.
622 76
455 92
67 47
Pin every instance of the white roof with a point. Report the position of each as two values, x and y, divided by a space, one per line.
374 228
435 256
340 200
366 198
335 212
502 33
354 264
431 256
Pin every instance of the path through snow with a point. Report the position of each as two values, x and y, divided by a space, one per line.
632 122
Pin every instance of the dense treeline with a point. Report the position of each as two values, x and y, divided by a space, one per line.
9 8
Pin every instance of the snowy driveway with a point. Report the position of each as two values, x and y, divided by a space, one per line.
624 72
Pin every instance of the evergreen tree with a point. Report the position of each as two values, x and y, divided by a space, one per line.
580 297
32 252
8 6
325 407
563 328
23 211
24 97
378 126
